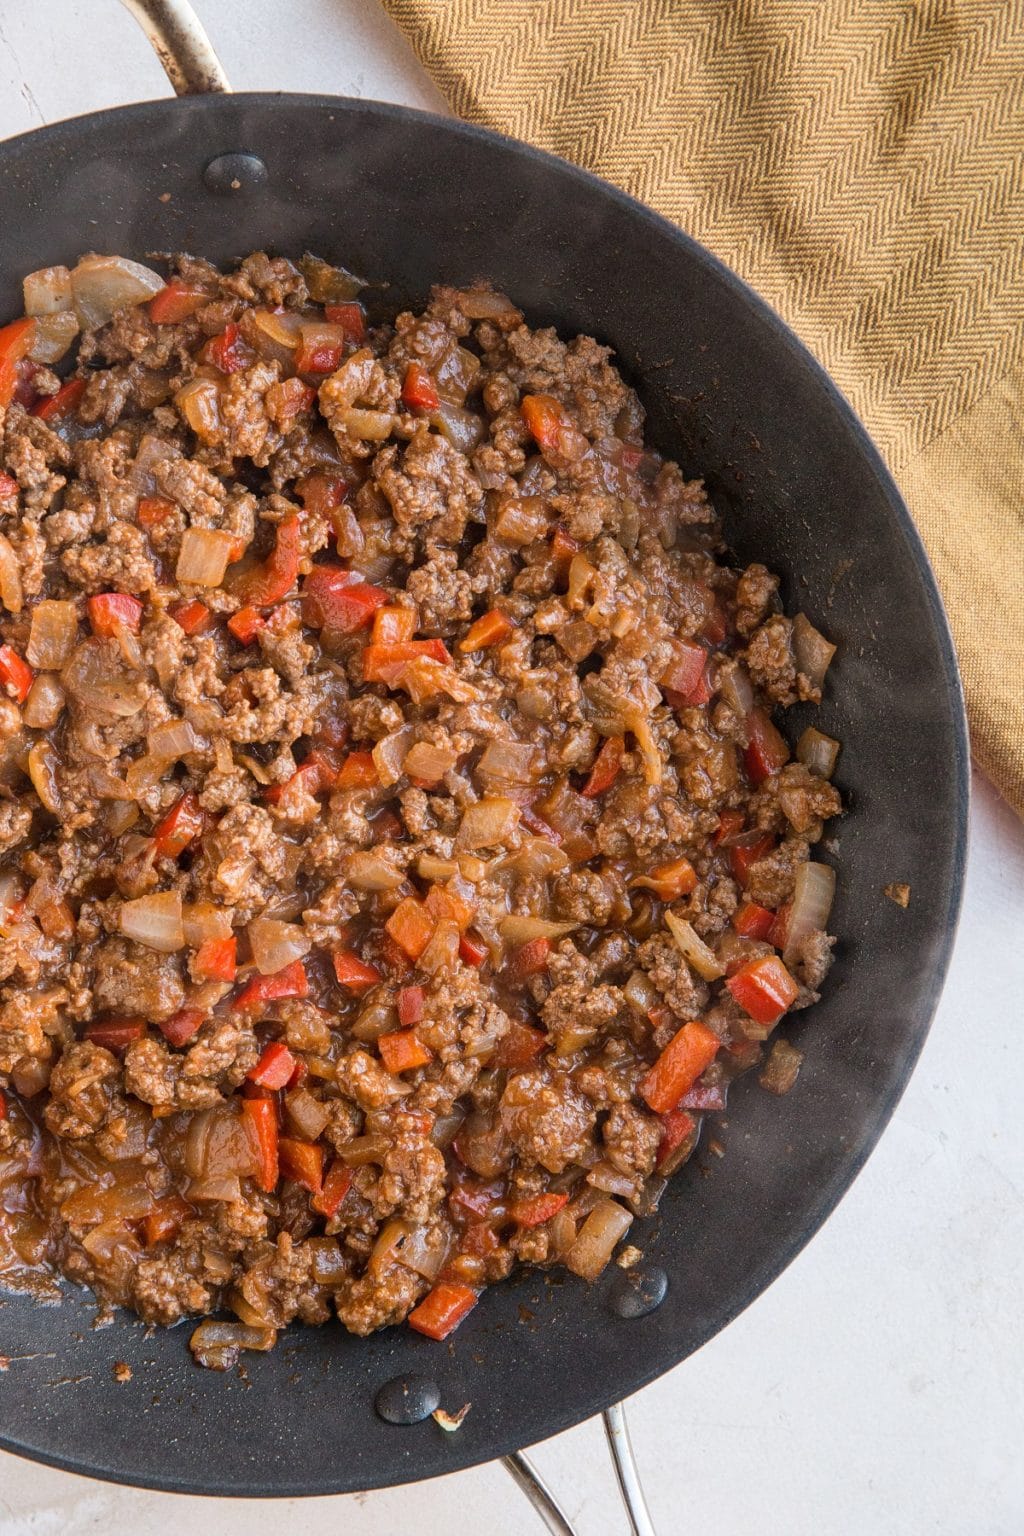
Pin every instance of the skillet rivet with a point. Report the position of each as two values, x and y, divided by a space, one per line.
230 175
407 1399
636 1292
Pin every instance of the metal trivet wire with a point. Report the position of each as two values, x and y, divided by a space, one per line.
626 1472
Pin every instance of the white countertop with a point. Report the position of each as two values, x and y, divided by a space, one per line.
878 1386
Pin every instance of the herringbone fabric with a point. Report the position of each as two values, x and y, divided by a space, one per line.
861 163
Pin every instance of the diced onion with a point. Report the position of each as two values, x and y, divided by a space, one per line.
199 403
47 292
389 755
430 867
376 1019
218 1145
330 1263
155 921
581 577
464 429
204 556
52 635
203 920
537 857
424 760
374 426
275 945
606 1225
695 951
812 651
735 686
813 894
488 823
517 930
446 1128
641 993
782 1068
224 1186
818 752
45 702
284 329
521 519
516 762
52 338
11 593
329 284
306 1113
442 951
611 1180
101 285
173 739
414 1247
43 763
217 1345
360 1150
374 869
483 304
648 747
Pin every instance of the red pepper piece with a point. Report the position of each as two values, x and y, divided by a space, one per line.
332 598
303 1163
110 611
292 981
419 392
442 1310
176 301
729 824
115 1034
393 625
563 547
534 1212
56 407
551 428
519 1047
753 921
3 1105
315 774
743 855
165 1220
321 493
216 959
183 822
403 1051
530 959
226 352
16 676
606 767
261 1117
767 751
272 580
686 1056
384 663
354 973
337 1184
411 926
15 343
275 1066
154 510
193 617
319 356
779 935
471 950
246 624
686 675
358 771
183 1026
677 1125
351 319
764 989
8 487
411 1002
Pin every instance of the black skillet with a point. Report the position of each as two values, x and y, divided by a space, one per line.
415 200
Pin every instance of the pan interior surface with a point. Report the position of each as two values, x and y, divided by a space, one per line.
410 200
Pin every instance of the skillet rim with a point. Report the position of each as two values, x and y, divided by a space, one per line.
583 1404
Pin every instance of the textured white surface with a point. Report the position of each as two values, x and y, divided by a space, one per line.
877 1386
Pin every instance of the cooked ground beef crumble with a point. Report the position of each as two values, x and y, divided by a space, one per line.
398 853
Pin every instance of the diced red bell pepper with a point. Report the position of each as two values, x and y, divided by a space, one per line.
246 624
403 1051
261 1117
16 676
490 629
677 1126
393 625
716 626
563 547
753 921
690 1052
385 663
216 959
764 989
358 771
411 926
606 767
193 617
550 426
165 1220
320 356
176 302
530 959
419 392
779 935
337 1184
154 510
521 1045
56 407
686 675
269 582
670 881
471 1196
767 751
321 493
353 972
275 1066
314 774
743 855
479 1238
332 599
226 352
351 319
15 343
471 950
292 981
442 1310
183 822
540 1208
303 1163
182 1026
8 487
115 1034
3 1105
110 611
729 824
445 906
411 1002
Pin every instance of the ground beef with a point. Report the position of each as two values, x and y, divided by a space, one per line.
374 1012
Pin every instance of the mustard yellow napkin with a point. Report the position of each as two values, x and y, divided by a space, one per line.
861 163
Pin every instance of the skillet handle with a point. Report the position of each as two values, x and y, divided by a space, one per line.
181 44
626 1473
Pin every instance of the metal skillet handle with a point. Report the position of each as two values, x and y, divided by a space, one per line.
181 44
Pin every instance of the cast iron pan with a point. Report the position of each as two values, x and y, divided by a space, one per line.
415 200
